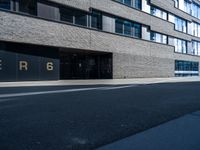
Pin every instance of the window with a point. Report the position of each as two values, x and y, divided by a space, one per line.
138 4
119 26
195 48
132 3
96 20
198 12
128 2
187 6
194 10
127 28
47 11
186 68
198 50
180 46
25 6
28 6
137 30
158 13
180 24
157 37
195 29
80 18
176 3
5 4
73 16
66 15
198 30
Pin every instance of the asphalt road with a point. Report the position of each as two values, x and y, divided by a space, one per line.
88 117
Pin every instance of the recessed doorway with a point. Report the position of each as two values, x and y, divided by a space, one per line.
76 64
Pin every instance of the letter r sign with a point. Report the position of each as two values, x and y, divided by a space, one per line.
23 65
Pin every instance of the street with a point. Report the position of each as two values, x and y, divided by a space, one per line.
88 117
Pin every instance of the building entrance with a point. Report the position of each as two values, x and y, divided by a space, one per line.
85 65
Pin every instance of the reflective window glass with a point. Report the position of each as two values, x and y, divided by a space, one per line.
5 4
28 6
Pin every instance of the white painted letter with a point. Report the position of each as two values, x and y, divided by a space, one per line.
49 66
23 65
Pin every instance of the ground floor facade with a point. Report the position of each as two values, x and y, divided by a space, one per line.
21 62
28 62
83 39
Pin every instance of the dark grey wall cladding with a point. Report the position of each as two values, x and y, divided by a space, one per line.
20 67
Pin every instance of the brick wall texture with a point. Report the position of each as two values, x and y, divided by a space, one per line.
132 58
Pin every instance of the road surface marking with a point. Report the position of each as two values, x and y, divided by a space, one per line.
117 87
6 99
60 91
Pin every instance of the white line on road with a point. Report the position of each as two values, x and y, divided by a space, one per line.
60 91
117 87
6 99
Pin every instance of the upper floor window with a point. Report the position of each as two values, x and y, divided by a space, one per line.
138 4
127 28
195 28
187 6
66 14
25 6
96 20
128 2
199 12
132 3
195 48
137 30
157 37
47 11
180 46
176 3
80 18
119 27
191 8
158 13
28 6
194 10
73 16
180 24
5 4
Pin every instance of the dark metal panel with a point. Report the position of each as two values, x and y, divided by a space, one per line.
27 67
49 69
7 66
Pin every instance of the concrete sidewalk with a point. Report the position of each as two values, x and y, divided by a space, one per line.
101 82
179 134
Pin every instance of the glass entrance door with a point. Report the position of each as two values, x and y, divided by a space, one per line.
81 65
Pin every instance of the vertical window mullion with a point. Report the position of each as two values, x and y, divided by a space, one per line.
74 19
123 28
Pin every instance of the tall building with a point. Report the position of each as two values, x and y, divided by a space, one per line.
98 39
